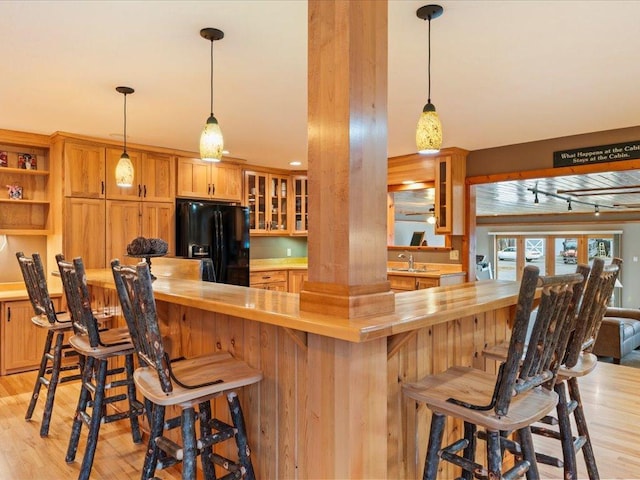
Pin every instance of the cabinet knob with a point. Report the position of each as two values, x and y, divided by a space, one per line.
209 189
139 190
213 189
144 188
102 187
8 314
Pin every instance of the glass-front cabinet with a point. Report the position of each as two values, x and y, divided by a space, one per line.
267 196
300 205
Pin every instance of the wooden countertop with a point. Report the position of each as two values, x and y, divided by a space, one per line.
395 268
13 291
413 310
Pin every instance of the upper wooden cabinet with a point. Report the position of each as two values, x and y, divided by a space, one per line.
211 181
153 180
85 231
84 170
300 205
450 173
267 196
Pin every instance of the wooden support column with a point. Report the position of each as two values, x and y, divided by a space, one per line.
347 105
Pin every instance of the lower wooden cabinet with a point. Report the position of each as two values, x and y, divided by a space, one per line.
408 282
269 280
21 341
296 277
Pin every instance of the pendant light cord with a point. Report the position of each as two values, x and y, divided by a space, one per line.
429 62
212 78
125 123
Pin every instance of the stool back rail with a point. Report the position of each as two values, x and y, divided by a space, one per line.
56 325
185 383
97 346
579 361
520 395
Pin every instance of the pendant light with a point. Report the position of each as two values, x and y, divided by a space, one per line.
124 169
211 141
429 131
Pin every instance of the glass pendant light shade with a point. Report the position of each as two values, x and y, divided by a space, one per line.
429 131
124 171
211 141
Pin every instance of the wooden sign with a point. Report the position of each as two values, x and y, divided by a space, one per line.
600 154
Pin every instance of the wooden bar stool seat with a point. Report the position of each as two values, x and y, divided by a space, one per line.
51 372
99 347
188 384
521 394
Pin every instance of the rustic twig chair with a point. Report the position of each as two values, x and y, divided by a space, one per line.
520 395
57 324
185 383
578 362
97 346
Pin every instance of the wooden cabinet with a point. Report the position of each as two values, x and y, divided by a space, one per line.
127 220
153 180
450 173
269 280
30 214
295 279
267 195
409 282
85 231
21 341
300 205
211 181
84 170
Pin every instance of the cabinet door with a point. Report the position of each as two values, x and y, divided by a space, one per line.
256 193
278 204
22 341
300 205
226 182
84 170
123 225
194 178
158 175
158 221
84 231
449 194
296 278
115 192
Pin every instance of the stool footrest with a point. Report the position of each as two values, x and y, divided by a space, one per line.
545 432
517 471
170 447
549 460
215 438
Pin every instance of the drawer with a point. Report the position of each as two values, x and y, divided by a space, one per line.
426 283
400 282
268 276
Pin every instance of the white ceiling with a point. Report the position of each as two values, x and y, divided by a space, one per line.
503 72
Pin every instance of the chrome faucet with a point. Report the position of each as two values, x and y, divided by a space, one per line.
409 260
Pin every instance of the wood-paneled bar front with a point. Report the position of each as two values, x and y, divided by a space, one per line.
313 364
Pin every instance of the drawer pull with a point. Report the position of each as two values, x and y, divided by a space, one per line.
266 277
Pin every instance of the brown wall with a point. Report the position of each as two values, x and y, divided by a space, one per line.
539 155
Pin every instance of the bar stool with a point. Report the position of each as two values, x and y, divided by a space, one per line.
184 384
520 395
97 346
57 324
578 362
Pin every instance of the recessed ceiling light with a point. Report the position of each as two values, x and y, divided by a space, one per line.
295 163
408 182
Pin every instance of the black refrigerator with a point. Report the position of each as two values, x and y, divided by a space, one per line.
217 231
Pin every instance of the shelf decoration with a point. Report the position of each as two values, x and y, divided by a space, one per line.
27 161
4 159
15 192
147 248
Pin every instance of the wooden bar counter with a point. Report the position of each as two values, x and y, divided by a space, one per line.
330 403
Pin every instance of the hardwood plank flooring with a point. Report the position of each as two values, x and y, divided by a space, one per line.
610 398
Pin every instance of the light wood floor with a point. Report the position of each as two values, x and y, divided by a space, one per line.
611 396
